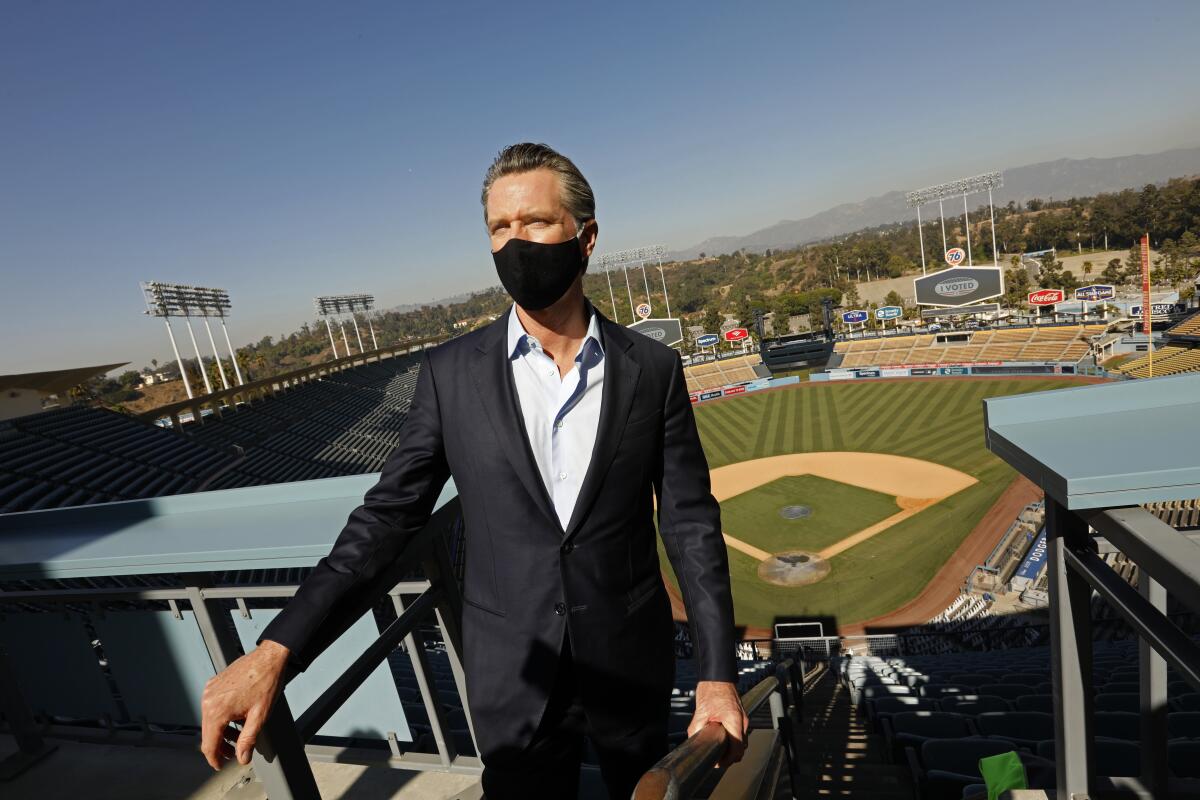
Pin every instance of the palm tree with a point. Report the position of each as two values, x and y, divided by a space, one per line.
1087 268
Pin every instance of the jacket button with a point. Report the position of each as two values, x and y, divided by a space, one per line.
568 547
560 608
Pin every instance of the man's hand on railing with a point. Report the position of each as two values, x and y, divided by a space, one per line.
244 691
718 701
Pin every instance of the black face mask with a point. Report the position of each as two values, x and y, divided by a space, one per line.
536 275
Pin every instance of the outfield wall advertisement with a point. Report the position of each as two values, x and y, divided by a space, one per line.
755 385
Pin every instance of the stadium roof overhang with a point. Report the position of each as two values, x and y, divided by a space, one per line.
55 381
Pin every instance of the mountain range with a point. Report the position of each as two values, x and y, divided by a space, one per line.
1061 179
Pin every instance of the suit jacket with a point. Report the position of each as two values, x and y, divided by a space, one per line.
528 582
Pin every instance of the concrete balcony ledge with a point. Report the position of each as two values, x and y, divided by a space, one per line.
126 772
1103 445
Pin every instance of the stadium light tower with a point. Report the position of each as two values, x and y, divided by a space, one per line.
964 186
338 305
168 300
639 256
160 302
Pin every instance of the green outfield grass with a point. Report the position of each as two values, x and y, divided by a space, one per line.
935 420
838 510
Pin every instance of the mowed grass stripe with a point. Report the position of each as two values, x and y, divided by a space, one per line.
885 415
855 422
922 406
835 419
804 442
853 397
945 418
764 427
740 422
821 439
718 437
787 411
815 423
867 416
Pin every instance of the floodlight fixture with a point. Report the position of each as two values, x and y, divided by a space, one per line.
656 251
344 303
976 183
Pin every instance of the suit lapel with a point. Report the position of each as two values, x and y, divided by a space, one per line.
621 375
498 395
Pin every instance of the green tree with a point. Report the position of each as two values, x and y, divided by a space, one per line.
893 299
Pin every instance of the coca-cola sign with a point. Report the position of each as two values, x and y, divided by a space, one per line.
1046 297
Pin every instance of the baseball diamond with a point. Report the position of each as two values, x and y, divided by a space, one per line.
916 444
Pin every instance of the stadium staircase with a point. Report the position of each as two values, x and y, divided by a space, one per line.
838 754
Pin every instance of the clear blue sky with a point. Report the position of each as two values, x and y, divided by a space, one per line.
283 150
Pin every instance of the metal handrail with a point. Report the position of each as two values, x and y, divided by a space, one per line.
679 774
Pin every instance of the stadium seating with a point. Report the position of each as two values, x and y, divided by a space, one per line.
345 423
1181 353
723 372
1188 327
78 455
943 768
1037 343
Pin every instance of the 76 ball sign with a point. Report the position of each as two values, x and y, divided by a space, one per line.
955 256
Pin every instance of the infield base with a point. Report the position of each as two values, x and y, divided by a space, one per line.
793 568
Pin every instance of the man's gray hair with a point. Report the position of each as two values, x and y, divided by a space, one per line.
577 194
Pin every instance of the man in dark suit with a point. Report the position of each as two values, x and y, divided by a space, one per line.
561 429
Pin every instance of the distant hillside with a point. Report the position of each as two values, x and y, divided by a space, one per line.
1061 179
445 301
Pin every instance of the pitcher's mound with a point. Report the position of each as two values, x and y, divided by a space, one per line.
793 568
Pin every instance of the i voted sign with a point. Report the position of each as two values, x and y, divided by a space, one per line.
888 312
707 340
955 256
854 317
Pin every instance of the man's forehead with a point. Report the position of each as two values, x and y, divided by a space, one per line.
524 192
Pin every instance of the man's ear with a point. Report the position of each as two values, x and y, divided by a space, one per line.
591 232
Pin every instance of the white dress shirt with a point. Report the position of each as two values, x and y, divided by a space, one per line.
561 415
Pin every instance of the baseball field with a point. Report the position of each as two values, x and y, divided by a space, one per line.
879 482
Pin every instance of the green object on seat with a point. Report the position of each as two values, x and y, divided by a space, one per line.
1002 773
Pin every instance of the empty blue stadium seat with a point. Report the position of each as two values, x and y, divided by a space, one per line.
936 690
972 704
1035 702
914 727
1009 691
1184 723
1114 758
1025 728
1118 701
1183 756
